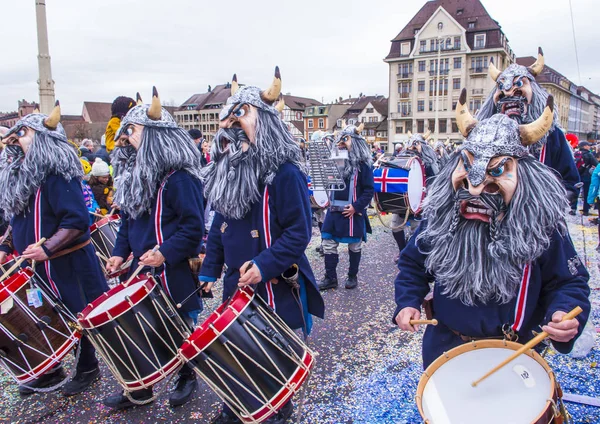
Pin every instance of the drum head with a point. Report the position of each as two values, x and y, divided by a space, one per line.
321 198
116 299
517 393
416 185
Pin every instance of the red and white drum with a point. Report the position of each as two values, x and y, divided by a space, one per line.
137 331
400 185
522 392
7 264
251 359
32 338
103 234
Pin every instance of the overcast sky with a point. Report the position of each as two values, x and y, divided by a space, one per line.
325 49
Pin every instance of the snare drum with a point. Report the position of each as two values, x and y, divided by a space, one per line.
251 359
137 332
400 185
32 338
319 199
523 391
103 234
8 263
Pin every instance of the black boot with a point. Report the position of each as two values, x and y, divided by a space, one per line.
185 385
282 416
400 239
352 281
81 381
120 401
51 378
330 281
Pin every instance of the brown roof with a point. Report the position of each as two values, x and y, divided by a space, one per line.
98 111
217 96
548 74
299 125
381 106
299 103
364 101
71 118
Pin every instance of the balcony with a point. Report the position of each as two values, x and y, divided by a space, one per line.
404 95
434 50
477 91
478 70
439 93
404 75
400 115
434 72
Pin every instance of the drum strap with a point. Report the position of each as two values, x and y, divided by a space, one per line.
70 250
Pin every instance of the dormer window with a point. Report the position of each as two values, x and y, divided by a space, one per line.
459 11
471 25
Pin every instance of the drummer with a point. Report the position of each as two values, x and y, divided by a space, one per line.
346 220
40 176
262 223
495 241
160 196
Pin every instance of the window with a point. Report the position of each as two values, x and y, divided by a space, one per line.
405 108
457 62
421 85
471 25
339 123
479 41
457 43
351 121
311 123
399 130
321 123
321 110
454 126
479 63
431 87
448 43
459 11
433 44
475 104
422 46
420 126
408 126
431 125
369 110
421 66
373 119
443 126
416 31
430 105
433 65
456 84
404 49
421 106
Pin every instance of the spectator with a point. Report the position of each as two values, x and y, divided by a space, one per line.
102 185
205 151
87 150
119 108
197 137
593 196
585 162
102 153
398 149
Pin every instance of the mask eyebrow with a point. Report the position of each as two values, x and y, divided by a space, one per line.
499 164
465 159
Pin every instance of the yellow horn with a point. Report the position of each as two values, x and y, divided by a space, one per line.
538 66
534 132
427 134
51 122
493 72
409 134
138 99
464 120
36 109
234 84
272 93
155 109
360 128
344 123
280 105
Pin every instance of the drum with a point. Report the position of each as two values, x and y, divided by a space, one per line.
137 332
400 185
103 234
319 199
248 356
32 338
8 263
524 391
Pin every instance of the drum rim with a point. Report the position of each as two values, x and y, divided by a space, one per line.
424 193
11 282
156 376
479 345
126 267
102 222
221 319
120 308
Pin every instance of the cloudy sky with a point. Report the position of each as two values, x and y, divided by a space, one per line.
325 49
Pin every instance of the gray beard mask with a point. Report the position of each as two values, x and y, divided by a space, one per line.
231 179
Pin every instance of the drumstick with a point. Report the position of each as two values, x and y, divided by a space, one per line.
20 261
179 305
96 214
101 256
529 345
112 211
139 269
423 322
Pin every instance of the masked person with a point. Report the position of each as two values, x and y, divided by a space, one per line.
495 241
160 196
346 220
518 96
41 197
258 188
118 109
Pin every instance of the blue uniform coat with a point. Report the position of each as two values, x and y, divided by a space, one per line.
176 223
76 277
275 234
557 281
557 155
339 227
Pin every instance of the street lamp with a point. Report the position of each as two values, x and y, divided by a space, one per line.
440 27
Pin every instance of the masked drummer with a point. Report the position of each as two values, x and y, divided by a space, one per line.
40 176
495 240
262 223
160 196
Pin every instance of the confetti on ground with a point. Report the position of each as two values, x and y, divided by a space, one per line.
367 370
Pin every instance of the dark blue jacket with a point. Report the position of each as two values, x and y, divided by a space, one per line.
77 276
176 223
361 186
557 155
275 234
557 281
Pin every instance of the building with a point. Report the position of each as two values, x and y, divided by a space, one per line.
293 114
444 48
201 111
9 119
373 112
316 118
580 113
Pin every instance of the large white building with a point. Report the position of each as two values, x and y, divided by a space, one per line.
446 46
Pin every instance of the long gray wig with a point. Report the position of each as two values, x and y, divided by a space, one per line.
138 174
21 175
462 255
232 178
358 154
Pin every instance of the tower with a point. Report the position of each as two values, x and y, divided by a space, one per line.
45 81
